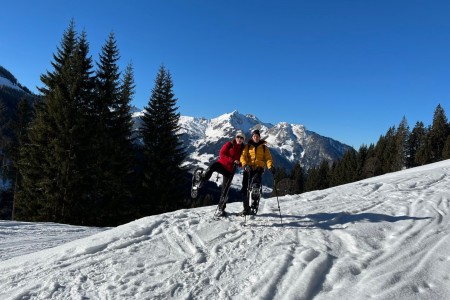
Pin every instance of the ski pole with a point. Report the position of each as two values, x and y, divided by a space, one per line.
276 194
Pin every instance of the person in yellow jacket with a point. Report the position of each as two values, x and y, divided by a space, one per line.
254 158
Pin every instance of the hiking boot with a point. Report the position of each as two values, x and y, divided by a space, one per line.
254 204
245 212
255 192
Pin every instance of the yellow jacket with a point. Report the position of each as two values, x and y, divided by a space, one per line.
256 155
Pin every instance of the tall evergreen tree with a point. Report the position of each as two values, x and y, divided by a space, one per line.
122 129
424 154
402 146
438 133
113 143
446 150
362 156
344 170
298 177
5 141
163 152
124 120
318 178
20 125
55 164
386 150
372 164
416 141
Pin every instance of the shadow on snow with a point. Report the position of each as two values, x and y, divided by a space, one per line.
326 220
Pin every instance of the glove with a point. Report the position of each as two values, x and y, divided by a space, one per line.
247 168
272 170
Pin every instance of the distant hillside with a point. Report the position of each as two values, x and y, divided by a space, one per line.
11 91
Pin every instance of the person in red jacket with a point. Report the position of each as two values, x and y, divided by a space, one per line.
229 159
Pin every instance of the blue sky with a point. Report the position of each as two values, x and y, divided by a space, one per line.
346 69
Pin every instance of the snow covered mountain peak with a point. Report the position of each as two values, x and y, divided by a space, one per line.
289 143
236 121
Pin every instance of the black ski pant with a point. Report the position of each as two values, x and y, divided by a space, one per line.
256 176
227 175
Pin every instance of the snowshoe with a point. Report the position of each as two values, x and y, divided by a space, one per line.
255 192
255 196
221 214
254 207
196 182
220 211
245 212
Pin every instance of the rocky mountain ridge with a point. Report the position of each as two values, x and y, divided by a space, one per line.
289 143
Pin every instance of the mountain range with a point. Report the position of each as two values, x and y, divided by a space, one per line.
203 138
288 143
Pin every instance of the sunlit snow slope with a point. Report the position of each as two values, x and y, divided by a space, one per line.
382 238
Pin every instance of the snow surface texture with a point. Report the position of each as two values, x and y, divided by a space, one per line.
382 238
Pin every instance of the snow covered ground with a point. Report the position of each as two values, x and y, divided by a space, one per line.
382 238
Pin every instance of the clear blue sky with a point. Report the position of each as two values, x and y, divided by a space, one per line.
346 69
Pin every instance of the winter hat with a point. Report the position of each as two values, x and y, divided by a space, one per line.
256 131
240 133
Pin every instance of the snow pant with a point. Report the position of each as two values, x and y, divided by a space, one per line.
256 176
227 175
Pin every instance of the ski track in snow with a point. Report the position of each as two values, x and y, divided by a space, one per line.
381 238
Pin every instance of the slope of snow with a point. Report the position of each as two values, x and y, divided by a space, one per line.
382 238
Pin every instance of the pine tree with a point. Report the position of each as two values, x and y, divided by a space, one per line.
30 197
298 176
416 141
124 120
344 170
163 152
279 174
438 133
372 164
318 178
362 156
386 150
5 146
424 154
284 185
5 141
113 143
401 145
20 124
55 163
446 150
123 139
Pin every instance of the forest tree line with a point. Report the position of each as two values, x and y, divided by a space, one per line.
400 148
70 155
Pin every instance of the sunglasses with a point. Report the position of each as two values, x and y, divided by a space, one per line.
240 137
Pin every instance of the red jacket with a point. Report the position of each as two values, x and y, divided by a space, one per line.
229 153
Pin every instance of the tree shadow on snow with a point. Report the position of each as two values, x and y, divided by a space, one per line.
332 221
